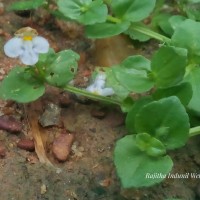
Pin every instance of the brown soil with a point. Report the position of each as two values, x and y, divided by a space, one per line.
88 173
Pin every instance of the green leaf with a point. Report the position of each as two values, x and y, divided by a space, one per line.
59 15
26 5
150 145
20 86
176 20
138 61
183 91
135 35
193 78
120 91
46 59
165 120
192 10
130 118
168 66
107 29
168 22
193 1
132 10
133 74
85 12
127 104
134 166
62 68
186 36
162 20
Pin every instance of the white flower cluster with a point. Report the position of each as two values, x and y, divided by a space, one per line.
98 86
26 45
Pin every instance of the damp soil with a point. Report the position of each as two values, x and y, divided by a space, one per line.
89 172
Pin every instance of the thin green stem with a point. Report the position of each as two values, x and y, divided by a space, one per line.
90 95
144 30
194 131
39 71
113 19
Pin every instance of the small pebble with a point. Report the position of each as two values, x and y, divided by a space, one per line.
43 189
51 116
2 71
1 8
26 144
65 99
10 124
115 119
105 183
98 113
62 146
2 151
32 159
78 151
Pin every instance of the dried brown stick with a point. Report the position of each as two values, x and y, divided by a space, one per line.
36 130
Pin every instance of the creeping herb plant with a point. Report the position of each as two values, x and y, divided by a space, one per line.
158 121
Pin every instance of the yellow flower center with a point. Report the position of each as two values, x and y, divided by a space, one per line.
27 38
96 92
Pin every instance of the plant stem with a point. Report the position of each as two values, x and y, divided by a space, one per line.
144 30
90 95
194 131
113 19
141 29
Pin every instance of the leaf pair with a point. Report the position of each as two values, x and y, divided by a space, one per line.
94 14
137 74
24 84
160 125
186 36
85 12
60 67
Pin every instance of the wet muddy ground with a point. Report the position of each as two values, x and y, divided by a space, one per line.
88 173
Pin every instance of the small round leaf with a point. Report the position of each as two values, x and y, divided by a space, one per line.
20 86
134 166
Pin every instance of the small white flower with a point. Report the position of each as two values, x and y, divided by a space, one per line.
98 86
26 45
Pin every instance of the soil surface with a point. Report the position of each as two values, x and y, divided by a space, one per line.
89 172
